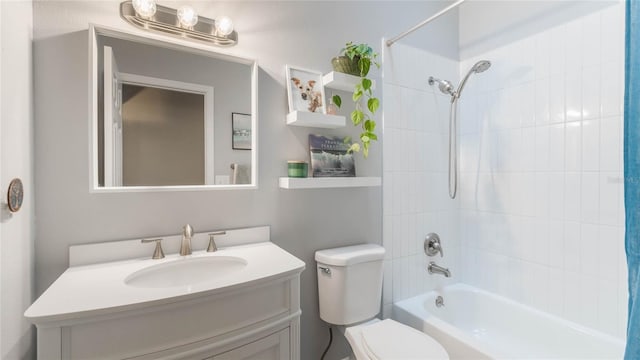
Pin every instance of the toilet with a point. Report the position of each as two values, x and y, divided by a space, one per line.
350 292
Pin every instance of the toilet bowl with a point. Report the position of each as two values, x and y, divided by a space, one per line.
350 292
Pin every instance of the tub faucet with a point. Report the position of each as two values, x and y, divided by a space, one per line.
185 245
433 268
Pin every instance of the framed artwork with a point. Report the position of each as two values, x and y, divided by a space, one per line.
241 131
305 90
330 157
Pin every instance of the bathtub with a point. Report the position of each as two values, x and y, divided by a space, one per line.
475 324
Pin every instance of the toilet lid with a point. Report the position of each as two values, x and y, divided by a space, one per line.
389 339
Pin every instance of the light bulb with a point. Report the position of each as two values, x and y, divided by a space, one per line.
187 16
224 26
145 8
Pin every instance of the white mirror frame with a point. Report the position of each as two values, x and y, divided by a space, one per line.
152 39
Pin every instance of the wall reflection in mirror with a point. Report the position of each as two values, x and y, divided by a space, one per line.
166 114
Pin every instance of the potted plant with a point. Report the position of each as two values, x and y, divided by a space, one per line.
362 55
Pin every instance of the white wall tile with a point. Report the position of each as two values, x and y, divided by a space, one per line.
612 33
589 248
590 145
541 193
611 88
556 196
611 144
540 207
528 149
556 286
387 236
574 45
590 198
542 149
573 94
572 245
557 99
528 194
400 279
387 289
572 146
542 57
609 250
526 108
572 196
610 192
557 50
556 147
591 104
542 101
556 241
591 39
542 242
608 315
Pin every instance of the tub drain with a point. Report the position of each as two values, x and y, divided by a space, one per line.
439 301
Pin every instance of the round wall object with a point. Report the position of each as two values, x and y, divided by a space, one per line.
15 195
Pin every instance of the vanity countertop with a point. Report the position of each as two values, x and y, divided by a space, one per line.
100 289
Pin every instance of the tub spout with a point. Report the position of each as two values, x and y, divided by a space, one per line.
434 268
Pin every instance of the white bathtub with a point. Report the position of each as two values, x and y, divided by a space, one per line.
475 324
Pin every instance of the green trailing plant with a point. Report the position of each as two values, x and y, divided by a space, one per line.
362 115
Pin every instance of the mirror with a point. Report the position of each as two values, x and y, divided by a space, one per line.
170 116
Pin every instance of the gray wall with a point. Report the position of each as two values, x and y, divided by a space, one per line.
306 34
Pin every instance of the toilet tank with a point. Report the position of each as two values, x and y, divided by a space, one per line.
349 283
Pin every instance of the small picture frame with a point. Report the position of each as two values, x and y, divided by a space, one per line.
305 90
240 131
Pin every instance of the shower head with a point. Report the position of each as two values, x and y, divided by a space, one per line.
445 86
480 66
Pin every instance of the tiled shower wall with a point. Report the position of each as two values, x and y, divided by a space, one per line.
541 198
415 172
539 217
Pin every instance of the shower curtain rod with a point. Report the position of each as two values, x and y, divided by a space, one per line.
437 15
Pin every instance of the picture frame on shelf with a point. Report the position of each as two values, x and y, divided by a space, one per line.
330 157
240 131
305 90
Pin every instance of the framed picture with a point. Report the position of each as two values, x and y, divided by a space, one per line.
330 157
305 90
241 131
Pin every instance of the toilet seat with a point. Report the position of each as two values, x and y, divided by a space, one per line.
388 339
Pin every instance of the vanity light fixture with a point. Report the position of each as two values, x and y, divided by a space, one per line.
183 23
187 17
145 8
224 26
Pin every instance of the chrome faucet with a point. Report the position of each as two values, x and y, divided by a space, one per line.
185 245
435 269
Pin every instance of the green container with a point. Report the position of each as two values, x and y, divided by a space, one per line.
345 65
297 169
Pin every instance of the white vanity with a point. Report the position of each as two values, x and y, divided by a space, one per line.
246 307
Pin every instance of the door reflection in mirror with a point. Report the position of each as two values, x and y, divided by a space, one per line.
158 121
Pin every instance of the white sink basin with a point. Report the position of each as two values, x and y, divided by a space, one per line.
186 271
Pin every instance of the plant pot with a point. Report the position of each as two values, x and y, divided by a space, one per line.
345 65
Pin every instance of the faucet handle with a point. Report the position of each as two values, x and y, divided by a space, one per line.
157 253
212 243
432 245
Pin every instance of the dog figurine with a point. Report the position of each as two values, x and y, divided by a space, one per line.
308 94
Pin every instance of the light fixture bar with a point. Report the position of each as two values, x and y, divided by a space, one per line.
165 20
